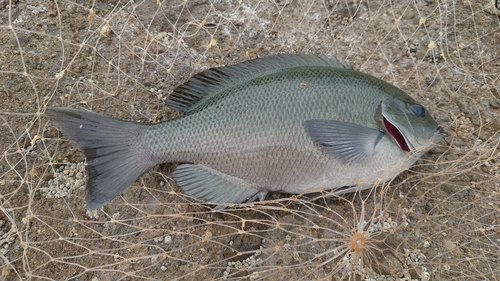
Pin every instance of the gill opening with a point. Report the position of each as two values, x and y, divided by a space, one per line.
396 135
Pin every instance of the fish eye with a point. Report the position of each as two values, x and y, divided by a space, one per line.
418 110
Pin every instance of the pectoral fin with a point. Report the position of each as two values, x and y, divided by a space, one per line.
343 140
205 183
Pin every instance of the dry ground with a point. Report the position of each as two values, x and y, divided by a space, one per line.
438 221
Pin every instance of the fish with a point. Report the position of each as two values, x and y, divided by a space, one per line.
291 123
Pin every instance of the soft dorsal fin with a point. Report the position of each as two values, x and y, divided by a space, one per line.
208 83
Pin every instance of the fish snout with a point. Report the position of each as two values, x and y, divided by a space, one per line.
438 135
439 131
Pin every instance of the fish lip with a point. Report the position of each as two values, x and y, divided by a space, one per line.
439 134
397 135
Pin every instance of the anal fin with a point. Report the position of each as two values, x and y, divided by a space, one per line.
205 183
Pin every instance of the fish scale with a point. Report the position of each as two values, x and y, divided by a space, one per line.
266 114
289 123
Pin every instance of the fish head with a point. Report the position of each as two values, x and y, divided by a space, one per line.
410 125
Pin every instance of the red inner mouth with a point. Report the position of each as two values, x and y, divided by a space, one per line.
396 135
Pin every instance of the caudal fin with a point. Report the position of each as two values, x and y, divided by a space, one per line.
116 154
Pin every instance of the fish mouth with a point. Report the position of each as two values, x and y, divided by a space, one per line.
396 135
438 135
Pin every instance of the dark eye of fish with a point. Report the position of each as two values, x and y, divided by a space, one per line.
418 110
396 134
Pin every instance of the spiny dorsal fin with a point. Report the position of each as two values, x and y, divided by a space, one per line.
208 83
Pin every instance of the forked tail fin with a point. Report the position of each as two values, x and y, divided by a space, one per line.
116 154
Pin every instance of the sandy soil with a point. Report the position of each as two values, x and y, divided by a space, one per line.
438 221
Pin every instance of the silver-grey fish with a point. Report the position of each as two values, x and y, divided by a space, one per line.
289 123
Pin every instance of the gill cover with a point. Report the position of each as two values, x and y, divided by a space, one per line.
410 126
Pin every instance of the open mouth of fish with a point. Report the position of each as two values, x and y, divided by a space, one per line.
396 134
